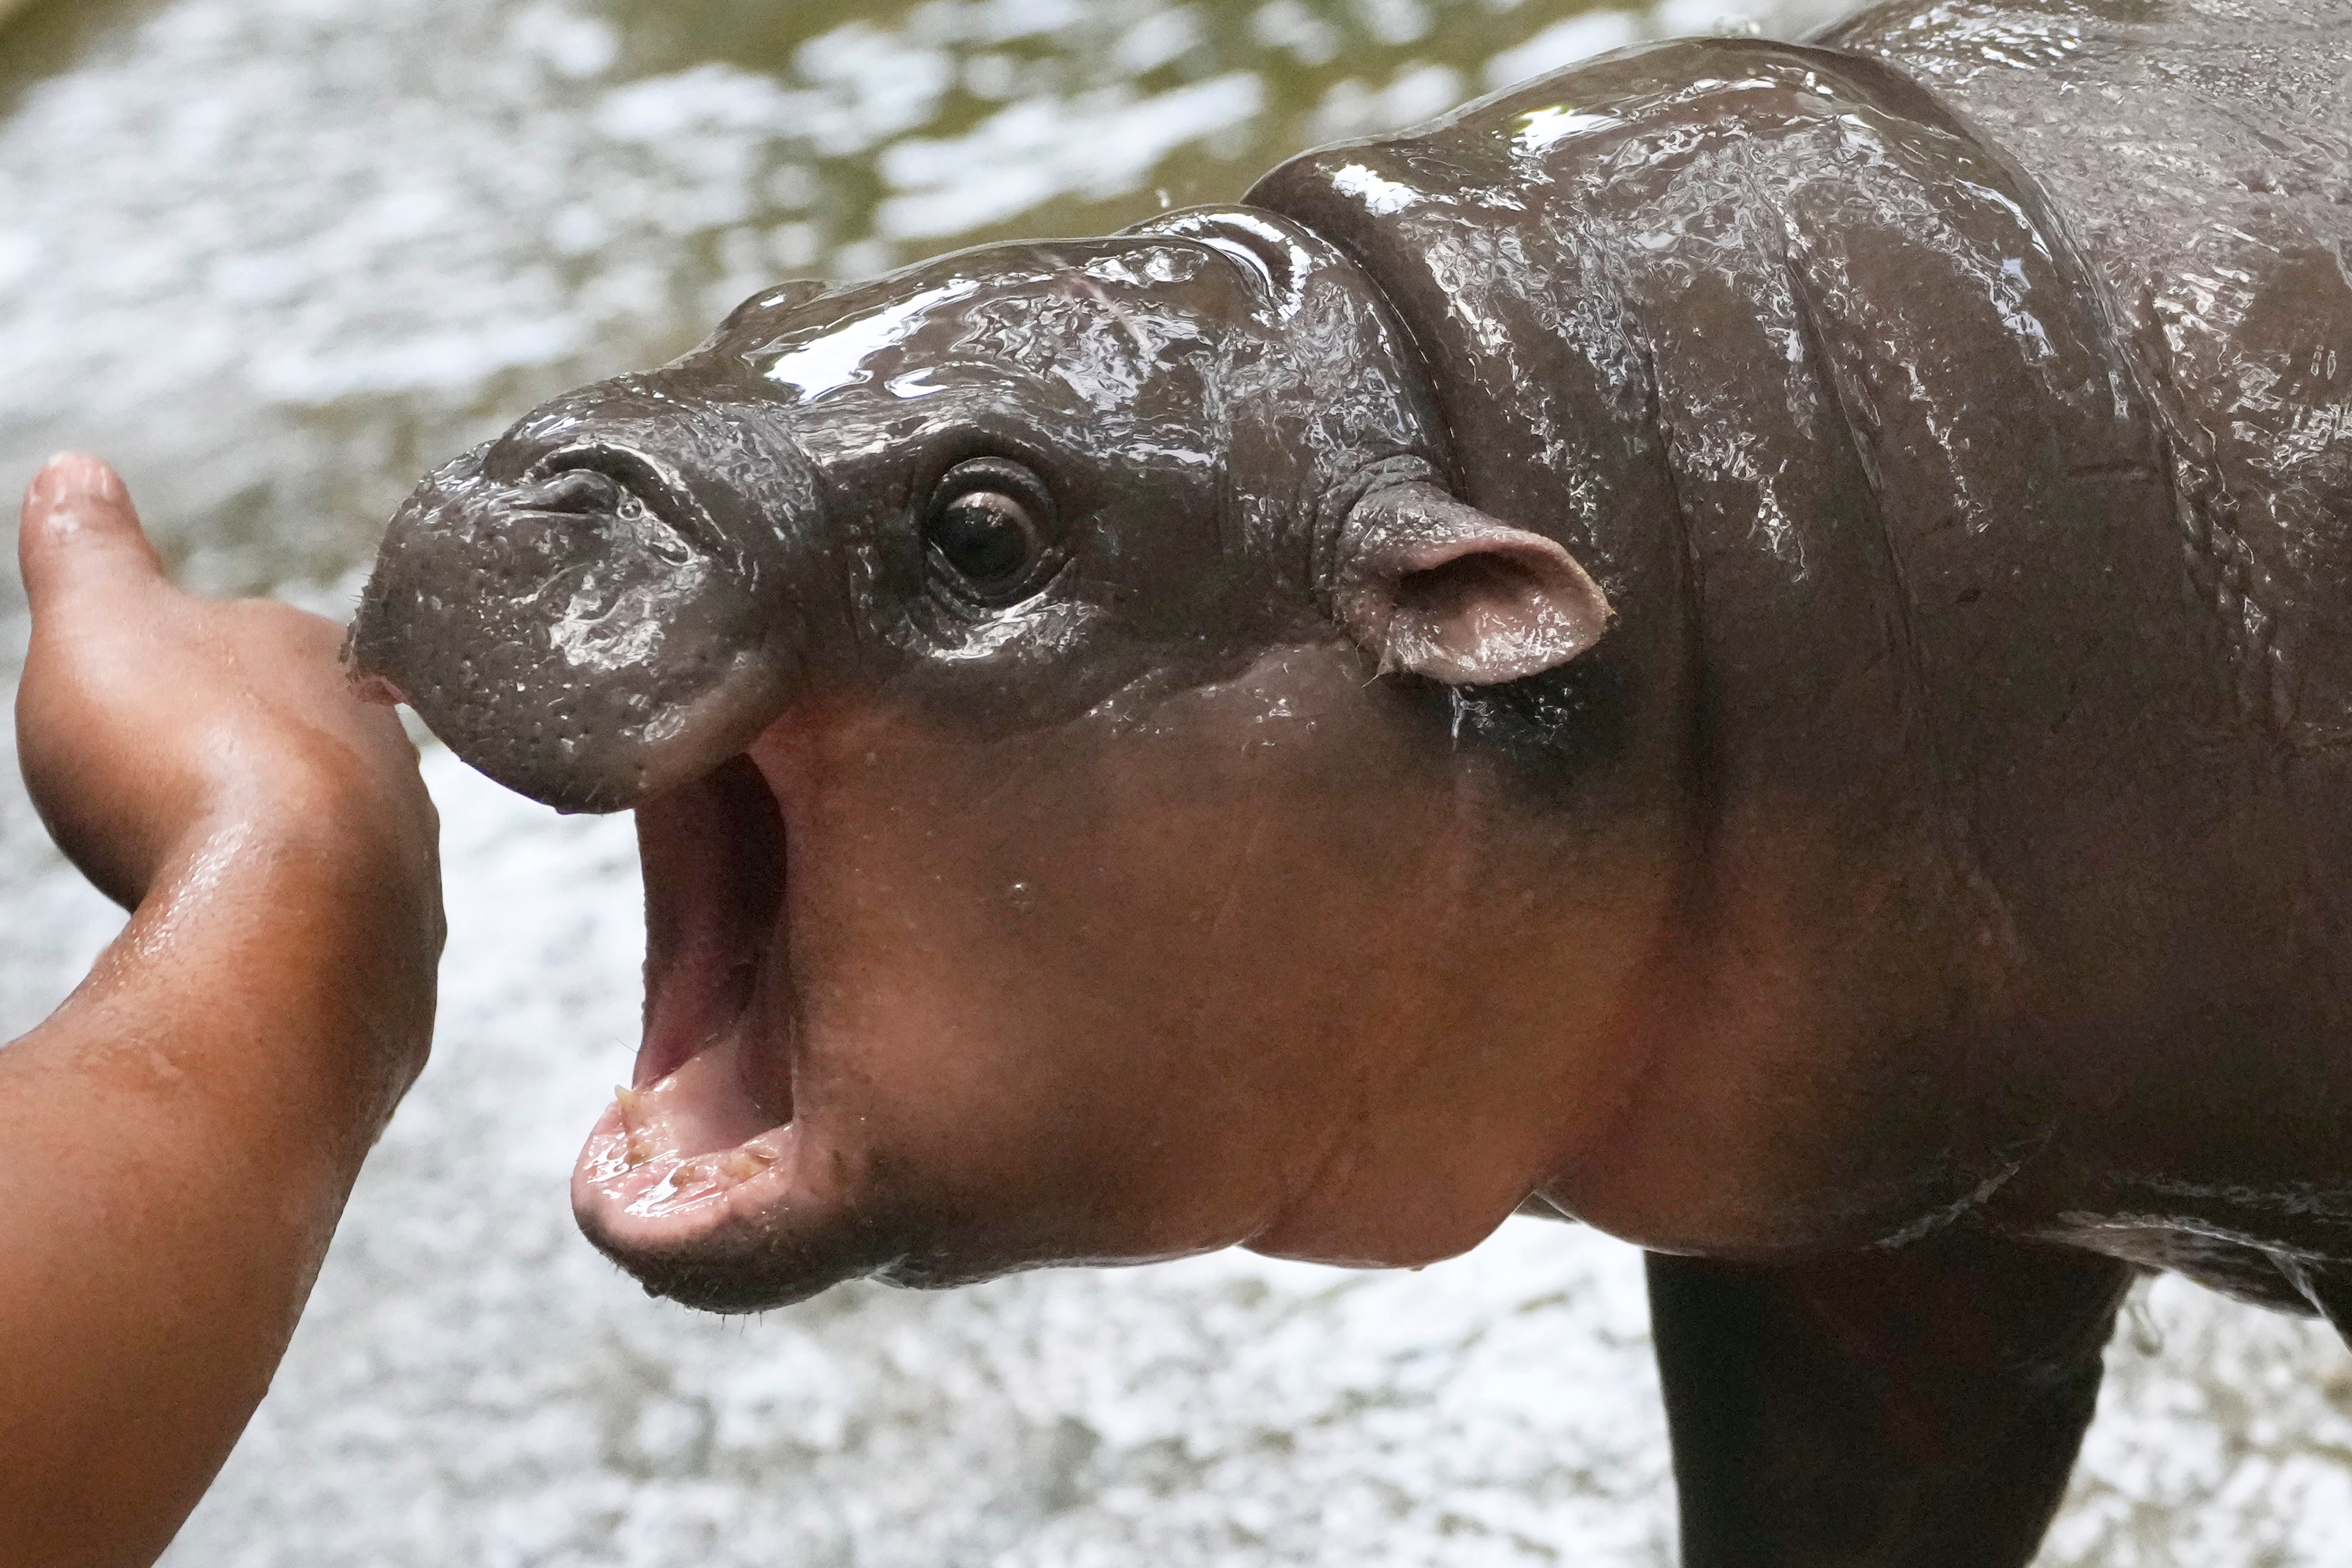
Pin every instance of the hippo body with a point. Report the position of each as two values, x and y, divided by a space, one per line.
2010 504
1749 644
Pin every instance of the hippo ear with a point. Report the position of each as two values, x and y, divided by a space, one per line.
1442 589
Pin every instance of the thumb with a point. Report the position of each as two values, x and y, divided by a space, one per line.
79 531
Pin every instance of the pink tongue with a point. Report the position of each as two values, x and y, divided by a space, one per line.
700 1107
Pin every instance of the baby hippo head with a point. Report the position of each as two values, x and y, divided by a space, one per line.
990 652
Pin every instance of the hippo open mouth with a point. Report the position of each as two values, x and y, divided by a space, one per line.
704 1134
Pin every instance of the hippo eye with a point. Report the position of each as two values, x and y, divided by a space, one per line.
991 526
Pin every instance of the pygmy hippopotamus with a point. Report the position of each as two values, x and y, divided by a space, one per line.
1751 643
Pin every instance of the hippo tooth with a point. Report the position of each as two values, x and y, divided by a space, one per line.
634 1144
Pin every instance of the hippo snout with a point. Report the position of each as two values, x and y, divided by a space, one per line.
577 618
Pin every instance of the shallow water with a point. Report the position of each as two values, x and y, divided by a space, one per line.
277 257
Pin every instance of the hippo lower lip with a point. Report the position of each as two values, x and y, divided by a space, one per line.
705 1136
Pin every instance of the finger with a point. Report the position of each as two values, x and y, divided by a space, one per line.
80 531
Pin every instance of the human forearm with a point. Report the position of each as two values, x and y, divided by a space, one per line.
197 1111
177 1140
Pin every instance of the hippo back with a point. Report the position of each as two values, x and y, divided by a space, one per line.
2202 157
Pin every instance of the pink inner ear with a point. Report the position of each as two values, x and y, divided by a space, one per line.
1486 606
1478 596
1426 555
1448 592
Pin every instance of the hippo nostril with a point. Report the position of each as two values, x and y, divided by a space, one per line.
582 490
601 478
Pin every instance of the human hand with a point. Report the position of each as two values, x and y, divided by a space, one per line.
151 721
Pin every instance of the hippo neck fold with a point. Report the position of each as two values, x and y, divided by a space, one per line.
1804 371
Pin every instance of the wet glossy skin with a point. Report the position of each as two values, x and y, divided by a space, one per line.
1933 496
1939 860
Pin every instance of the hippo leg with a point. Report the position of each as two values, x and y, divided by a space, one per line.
1869 1410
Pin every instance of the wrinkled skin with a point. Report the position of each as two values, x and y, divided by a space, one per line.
1727 644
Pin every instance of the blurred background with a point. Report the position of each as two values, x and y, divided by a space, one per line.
276 257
